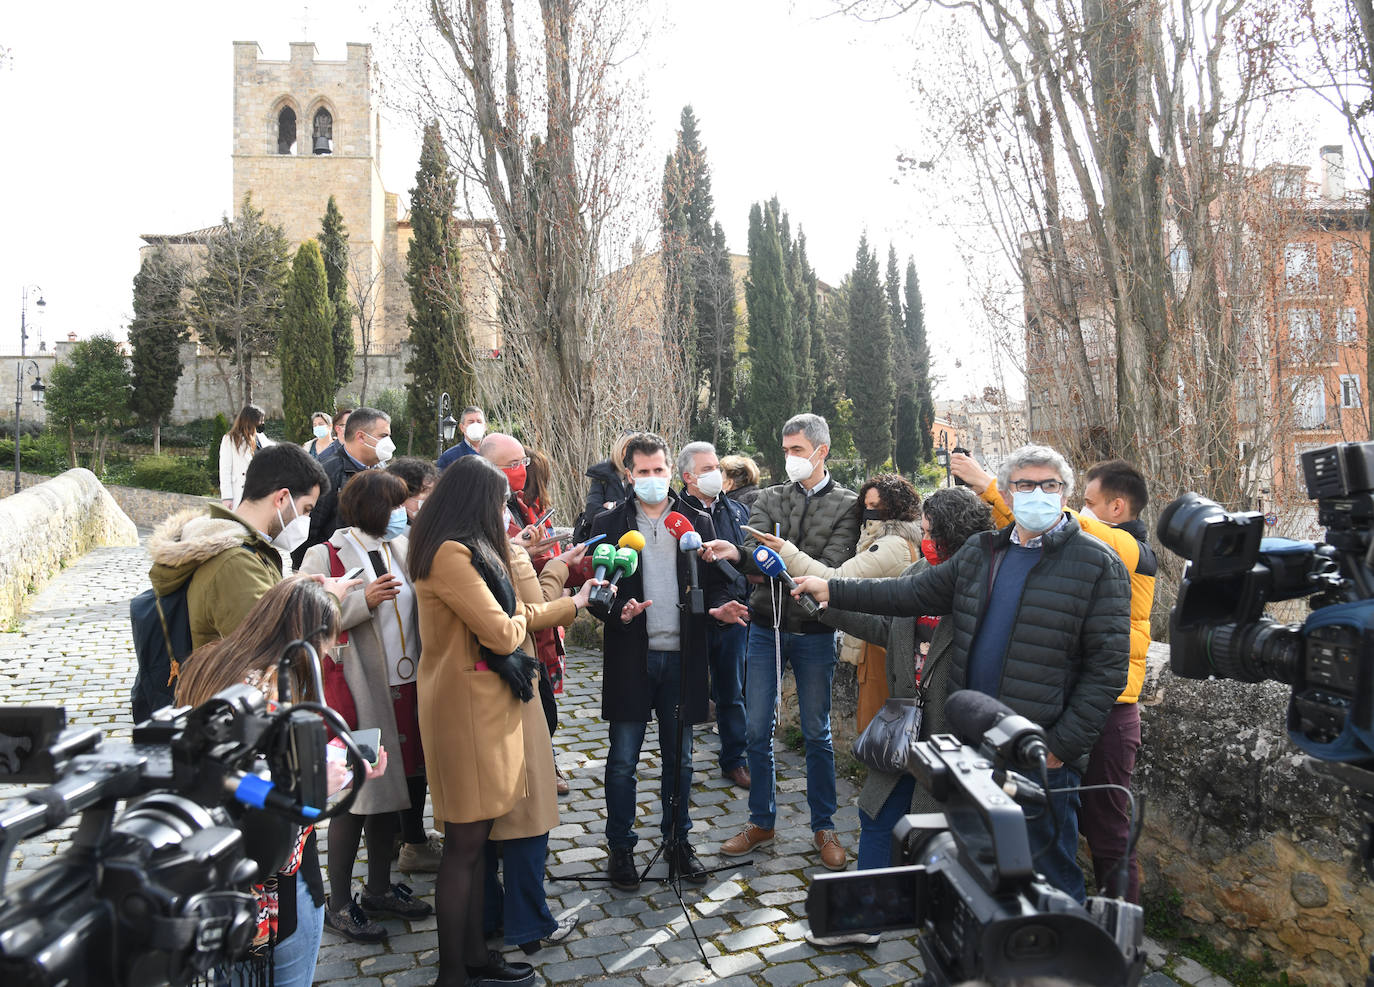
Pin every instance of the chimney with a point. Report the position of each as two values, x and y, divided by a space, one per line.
71 337
1333 171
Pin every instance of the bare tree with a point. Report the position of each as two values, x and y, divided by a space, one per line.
365 285
544 130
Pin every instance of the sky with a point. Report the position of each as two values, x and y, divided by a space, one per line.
118 121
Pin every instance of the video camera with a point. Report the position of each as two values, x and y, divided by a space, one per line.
1218 627
160 893
968 883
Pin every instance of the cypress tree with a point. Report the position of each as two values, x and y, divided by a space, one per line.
869 363
717 294
772 368
334 247
156 333
305 349
441 348
915 333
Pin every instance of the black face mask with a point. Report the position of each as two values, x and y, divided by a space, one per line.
262 427
872 514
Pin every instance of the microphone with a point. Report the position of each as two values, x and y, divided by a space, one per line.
770 564
631 539
681 528
688 542
603 557
981 721
626 564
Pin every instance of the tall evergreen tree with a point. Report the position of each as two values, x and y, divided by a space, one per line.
441 347
915 333
892 286
800 282
155 337
772 395
305 348
334 248
717 314
869 364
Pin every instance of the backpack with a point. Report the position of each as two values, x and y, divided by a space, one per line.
162 640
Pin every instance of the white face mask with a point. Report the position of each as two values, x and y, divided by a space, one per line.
385 449
798 467
1087 512
474 432
710 484
292 535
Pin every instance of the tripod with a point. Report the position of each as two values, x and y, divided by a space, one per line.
677 801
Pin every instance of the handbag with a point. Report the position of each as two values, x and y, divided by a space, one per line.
337 695
885 744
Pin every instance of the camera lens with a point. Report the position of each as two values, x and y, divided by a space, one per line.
1032 942
1257 652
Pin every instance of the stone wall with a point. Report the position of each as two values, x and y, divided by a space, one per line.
1261 851
49 524
144 507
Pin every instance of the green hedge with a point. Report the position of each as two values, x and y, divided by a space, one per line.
170 473
46 453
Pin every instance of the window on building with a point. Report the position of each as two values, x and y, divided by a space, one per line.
322 130
286 131
1309 403
1305 333
1300 267
1346 329
1350 390
1342 258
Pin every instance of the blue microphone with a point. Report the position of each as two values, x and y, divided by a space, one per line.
770 564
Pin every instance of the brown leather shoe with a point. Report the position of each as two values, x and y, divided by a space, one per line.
738 776
562 783
833 855
751 838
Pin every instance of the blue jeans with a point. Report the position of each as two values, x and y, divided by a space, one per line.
875 835
293 960
627 738
519 907
812 657
1057 860
727 691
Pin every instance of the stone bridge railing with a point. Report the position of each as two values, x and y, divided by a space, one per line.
45 525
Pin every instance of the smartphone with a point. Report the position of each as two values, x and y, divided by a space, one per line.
547 514
754 531
369 743
561 534
353 573
593 540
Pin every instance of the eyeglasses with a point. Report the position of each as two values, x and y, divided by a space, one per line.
517 462
1050 486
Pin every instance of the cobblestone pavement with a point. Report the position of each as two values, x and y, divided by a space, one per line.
73 648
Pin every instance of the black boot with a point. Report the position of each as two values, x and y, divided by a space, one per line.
499 972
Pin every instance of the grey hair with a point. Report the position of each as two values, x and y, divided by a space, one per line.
814 427
1036 456
689 451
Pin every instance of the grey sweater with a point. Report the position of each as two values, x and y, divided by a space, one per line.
658 565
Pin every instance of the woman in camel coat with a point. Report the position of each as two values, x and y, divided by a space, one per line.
474 686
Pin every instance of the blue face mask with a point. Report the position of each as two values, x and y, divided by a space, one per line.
396 525
321 431
651 489
1036 511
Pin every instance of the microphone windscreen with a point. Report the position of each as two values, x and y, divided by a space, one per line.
689 541
769 562
632 539
677 524
603 554
972 713
627 560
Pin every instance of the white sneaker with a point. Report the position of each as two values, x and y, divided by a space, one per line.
846 939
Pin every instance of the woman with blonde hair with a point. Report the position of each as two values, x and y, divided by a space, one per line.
741 478
476 679
290 902
236 451
321 425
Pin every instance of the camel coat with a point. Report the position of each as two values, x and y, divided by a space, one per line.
537 812
471 724
365 665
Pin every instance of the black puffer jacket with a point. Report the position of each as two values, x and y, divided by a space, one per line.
1069 651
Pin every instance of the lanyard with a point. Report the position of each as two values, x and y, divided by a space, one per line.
386 549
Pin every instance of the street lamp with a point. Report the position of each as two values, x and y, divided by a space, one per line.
448 425
24 314
942 454
37 387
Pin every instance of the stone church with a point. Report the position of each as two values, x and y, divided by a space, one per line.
306 129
